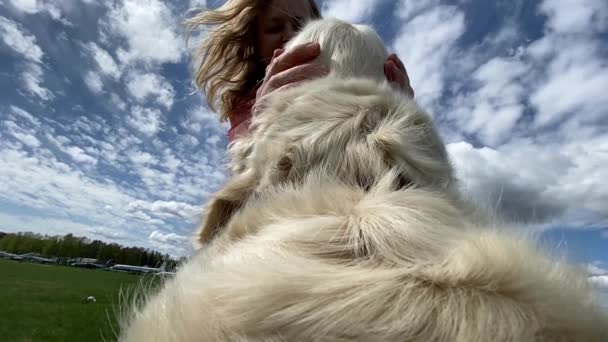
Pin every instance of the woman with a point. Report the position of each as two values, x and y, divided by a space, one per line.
242 61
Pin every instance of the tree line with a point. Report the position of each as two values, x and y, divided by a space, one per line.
70 246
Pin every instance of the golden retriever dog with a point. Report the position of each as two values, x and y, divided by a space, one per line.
342 222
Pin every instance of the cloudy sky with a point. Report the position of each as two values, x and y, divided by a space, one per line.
102 133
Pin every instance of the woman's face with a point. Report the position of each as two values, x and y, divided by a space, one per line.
277 23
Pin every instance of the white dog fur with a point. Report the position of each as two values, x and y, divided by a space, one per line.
341 222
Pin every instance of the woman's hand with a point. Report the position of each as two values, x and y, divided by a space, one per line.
395 73
287 69
290 68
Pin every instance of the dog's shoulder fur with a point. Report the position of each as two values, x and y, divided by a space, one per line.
342 222
325 261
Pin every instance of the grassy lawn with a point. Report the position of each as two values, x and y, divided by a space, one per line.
45 302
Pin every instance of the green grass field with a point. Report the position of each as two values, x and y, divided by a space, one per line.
45 302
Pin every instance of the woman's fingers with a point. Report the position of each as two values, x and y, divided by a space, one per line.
284 60
286 79
277 53
295 74
279 72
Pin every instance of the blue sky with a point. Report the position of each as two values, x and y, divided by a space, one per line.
102 133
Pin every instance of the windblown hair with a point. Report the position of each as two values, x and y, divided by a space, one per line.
342 222
228 65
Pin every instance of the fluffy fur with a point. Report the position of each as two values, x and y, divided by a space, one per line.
342 223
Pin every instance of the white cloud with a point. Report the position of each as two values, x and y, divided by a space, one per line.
38 6
51 226
354 11
527 182
409 9
25 115
200 119
214 139
143 86
575 81
21 42
24 135
93 81
150 30
32 78
595 269
600 281
137 186
25 45
492 109
576 16
145 218
79 155
28 6
198 3
157 181
145 120
57 140
141 157
424 43
536 112
90 125
106 233
167 209
117 101
41 181
170 161
105 62
168 237
27 139
171 243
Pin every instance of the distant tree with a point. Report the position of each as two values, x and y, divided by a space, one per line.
49 247
93 249
143 258
70 246
13 244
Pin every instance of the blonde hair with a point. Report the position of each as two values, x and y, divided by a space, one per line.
227 66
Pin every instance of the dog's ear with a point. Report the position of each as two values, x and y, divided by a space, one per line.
224 204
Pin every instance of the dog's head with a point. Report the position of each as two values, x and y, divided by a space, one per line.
350 127
350 51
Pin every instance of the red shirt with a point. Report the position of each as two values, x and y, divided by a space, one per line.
240 116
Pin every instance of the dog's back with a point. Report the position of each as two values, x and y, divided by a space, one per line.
342 223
